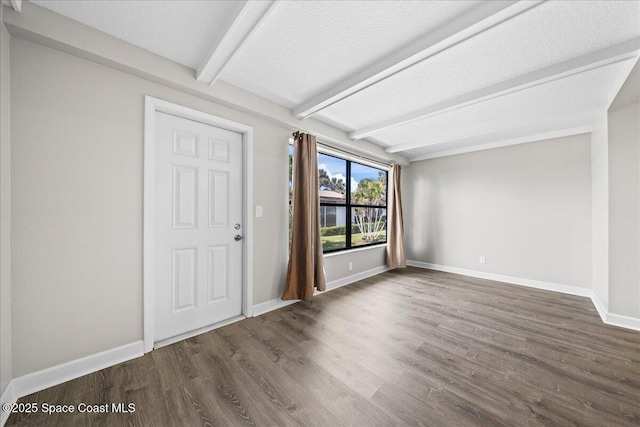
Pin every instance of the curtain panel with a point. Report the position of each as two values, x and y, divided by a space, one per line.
396 257
305 270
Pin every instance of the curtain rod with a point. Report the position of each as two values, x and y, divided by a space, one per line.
330 147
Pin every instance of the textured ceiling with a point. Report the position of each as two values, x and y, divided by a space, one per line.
183 31
304 47
486 73
583 92
548 34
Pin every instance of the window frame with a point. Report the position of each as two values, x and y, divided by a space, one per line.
328 151
349 206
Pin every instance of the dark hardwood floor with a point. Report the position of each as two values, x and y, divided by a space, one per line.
408 347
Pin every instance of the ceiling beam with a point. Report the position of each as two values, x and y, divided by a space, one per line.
507 132
592 61
507 142
470 24
247 21
14 4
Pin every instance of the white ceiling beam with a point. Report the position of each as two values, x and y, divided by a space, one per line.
468 25
570 122
15 4
253 13
507 142
592 61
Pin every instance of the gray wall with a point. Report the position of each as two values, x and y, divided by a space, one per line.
5 210
527 208
77 141
624 211
600 209
337 265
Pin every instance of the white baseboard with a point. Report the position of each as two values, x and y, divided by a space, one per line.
277 303
271 305
40 380
334 284
601 309
537 284
8 396
623 321
612 318
608 318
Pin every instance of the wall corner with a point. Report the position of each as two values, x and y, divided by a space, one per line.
6 367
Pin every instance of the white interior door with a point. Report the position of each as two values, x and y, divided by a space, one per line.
197 221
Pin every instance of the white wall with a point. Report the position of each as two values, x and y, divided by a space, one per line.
624 210
527 208
600 209
77 138
5 210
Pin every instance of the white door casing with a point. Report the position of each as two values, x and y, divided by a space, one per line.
195 275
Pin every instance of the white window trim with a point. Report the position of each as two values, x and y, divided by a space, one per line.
323 149
352 250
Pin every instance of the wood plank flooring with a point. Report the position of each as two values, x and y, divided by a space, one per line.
408 347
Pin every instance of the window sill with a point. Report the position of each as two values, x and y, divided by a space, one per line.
350 251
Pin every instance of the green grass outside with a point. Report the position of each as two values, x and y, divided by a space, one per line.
338 242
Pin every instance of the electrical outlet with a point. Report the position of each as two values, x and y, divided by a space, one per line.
483 259
350 266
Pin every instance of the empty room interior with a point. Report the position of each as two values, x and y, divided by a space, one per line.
320 213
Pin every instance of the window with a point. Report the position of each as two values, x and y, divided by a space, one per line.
353 203
290 191
332 173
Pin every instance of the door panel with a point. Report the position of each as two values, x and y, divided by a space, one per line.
198 201
218 265
185 197
184 279
218 198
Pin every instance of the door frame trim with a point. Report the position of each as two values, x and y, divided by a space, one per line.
151 106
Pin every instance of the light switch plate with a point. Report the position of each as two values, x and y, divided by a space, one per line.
258 211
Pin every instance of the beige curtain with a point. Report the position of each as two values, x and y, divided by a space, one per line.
396 257
305 270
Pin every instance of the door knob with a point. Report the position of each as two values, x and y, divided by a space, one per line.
237 237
